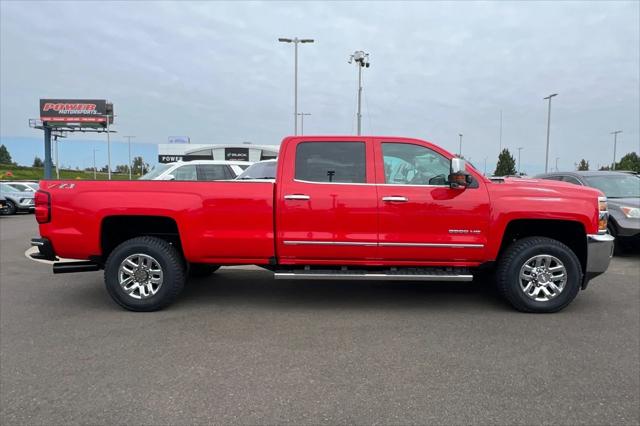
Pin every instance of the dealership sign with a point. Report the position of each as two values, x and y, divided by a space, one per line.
237 154
76 110
179 139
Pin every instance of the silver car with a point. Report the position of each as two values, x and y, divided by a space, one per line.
623 196
23 186
16 200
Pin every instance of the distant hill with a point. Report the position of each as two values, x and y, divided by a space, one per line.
9 172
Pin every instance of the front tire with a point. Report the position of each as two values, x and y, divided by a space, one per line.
144 274
539 274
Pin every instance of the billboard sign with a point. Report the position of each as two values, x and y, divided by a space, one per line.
84 111
179 139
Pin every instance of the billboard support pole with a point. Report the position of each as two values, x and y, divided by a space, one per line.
47 152
55 139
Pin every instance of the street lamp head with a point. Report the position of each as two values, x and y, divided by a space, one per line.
361 58
307 40
285 40
616 132
551 96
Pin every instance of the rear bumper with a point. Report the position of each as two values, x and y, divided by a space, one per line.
628 227
45 249
45 254
599 253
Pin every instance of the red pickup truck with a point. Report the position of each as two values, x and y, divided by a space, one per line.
341 207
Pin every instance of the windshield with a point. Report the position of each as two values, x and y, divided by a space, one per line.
156 171
616 186
5 187
21 187
266 170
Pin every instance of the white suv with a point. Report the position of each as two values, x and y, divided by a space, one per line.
197 170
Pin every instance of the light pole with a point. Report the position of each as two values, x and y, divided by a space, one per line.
500 131
362 61
302 114
94 163
546 160
557 158
108 149
460 146
129 140
295 41
615 142
520 148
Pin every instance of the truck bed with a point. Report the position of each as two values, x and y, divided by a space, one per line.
218 222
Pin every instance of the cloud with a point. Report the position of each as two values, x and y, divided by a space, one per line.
215 71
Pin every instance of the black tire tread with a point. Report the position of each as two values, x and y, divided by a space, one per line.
508 257
10 208
175 262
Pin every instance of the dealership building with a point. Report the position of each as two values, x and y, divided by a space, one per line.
171 152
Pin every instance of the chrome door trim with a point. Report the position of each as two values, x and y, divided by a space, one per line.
434 245
327 243
370 184
370 244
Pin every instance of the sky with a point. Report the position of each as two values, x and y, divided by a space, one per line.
214 71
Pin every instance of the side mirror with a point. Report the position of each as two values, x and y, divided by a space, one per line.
169 177
458 176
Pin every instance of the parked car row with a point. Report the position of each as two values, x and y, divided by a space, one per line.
17 197
209 170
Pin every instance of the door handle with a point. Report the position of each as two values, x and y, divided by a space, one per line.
297 197
395 199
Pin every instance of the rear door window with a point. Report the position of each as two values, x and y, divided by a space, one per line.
185 173
214 172
332 162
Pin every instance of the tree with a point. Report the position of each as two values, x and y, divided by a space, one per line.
604 168
37 162
506 164
139 166
583 165
5 157
630 161
122 168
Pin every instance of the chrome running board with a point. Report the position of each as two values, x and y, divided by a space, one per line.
452 274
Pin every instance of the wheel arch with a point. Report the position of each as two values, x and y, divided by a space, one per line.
569 232
116 229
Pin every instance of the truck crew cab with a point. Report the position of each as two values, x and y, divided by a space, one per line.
341 207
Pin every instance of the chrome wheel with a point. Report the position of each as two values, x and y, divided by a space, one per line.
543 277
140 276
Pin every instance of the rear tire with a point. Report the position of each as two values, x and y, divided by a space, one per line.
530 271
144 274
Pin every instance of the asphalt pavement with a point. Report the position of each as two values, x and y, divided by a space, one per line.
241 348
